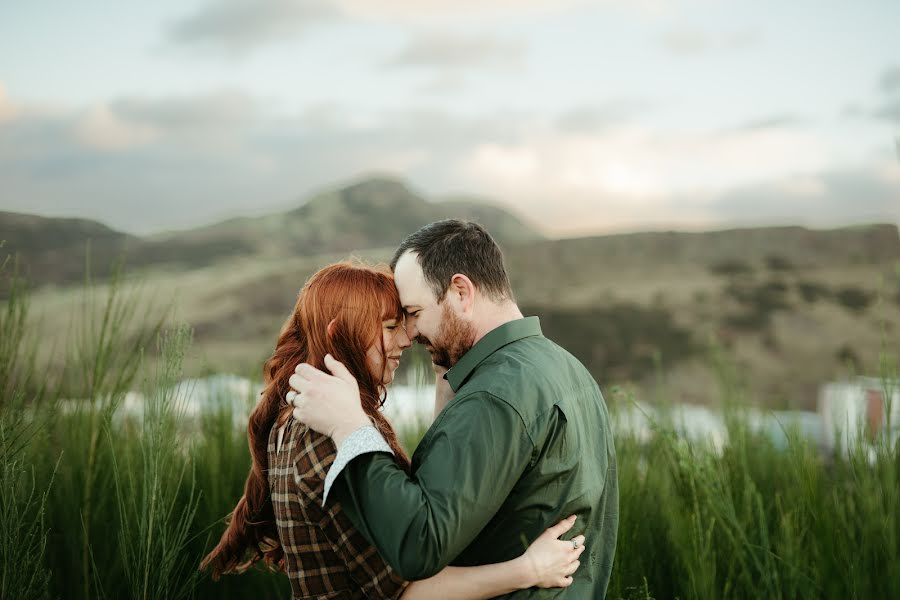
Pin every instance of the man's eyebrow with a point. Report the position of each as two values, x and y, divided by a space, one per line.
410 307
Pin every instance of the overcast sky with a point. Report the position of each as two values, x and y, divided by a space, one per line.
582 116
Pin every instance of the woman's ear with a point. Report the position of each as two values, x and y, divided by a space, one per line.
331 327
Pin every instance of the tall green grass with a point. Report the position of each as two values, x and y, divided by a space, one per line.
94 504
23 488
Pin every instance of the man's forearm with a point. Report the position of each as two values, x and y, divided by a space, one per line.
391 511
420 522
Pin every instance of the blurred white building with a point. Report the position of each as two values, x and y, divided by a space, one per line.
856 412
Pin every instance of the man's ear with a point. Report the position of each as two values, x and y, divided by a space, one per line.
463 290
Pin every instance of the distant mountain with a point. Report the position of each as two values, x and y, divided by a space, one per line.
372 213
792 307
379 212
55 250
784 247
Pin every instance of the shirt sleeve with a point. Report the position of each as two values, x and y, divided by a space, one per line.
363 440
466 467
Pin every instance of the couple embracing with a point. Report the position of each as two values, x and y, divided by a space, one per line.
513 489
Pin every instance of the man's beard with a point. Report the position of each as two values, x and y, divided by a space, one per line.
455 337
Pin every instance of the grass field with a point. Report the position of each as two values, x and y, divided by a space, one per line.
93 506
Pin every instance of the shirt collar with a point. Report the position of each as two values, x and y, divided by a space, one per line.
490 343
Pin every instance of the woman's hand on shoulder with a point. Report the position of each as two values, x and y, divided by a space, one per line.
550 561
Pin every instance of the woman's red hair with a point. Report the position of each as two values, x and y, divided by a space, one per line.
357 298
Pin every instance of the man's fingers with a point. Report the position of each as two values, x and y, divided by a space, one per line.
562 527
338 369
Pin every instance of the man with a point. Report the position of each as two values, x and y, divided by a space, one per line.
523 442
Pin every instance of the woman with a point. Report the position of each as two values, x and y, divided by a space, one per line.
352 312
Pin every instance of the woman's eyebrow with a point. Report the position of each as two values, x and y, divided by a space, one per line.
411 308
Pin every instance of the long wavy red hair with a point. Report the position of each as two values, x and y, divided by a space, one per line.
357 298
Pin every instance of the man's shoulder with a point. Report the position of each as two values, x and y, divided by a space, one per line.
532 376
531 364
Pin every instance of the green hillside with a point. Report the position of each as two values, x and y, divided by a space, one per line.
785 307
371 213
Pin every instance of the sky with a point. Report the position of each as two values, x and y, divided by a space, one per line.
580 116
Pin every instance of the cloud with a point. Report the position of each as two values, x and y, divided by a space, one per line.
445 51
239 26
8 110
101 128
451 58
779 121
215 110
890 79
132 122
642 162
886 107
831 197
629 177
888 111
601 117
406 11
687 41
127 163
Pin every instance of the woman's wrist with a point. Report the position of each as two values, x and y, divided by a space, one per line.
526 573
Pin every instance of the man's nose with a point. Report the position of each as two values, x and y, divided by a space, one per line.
411 331
404 340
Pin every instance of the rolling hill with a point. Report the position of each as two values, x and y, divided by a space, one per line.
663 314
371 213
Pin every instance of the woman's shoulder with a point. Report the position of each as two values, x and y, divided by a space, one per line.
310 452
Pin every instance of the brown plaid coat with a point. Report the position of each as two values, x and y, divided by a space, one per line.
325 556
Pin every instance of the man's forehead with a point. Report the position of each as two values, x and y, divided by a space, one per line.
410 281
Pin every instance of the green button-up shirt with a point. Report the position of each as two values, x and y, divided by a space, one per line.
524 443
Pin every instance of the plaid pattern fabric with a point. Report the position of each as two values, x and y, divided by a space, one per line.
325 556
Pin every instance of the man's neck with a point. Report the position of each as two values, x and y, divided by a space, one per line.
495 316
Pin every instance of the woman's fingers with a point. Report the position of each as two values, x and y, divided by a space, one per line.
572 567
561 527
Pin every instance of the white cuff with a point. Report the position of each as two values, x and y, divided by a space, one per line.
362 441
